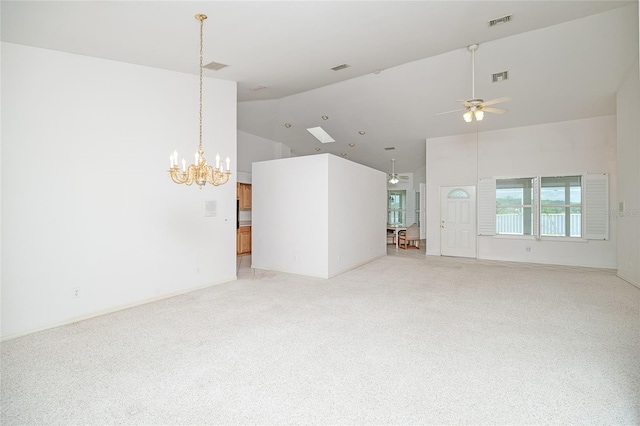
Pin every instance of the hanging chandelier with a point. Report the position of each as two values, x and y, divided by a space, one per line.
199 172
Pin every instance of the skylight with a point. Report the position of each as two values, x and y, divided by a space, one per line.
320 134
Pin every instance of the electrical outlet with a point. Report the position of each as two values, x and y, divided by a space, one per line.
528 249
75 293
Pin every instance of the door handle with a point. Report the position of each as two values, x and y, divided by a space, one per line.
442 225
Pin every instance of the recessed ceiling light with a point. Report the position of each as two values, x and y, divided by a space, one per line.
352 144
325 117
377 72
321 135
287 125
362 132
344 154
318 149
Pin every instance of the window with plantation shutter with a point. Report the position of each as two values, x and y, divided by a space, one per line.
487 207
545 207
596 207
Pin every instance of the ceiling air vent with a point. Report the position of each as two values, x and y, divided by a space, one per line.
215 66
500 76
340 67
390 148
498 21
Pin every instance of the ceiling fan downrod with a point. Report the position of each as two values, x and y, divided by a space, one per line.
472 48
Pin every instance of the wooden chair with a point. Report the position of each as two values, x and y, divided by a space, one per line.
391 237
409 238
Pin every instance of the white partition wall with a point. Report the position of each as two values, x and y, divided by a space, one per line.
317 215
357 214
627 214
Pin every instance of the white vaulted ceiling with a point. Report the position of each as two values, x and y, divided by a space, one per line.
408 61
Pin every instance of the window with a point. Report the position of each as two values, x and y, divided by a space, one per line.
561 206
514 206
397 213
547 206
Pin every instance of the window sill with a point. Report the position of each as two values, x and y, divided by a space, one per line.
513 237
544 238
564 239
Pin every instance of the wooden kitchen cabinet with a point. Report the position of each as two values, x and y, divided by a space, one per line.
243 240
244 195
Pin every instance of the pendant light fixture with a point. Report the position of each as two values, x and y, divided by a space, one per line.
199 172
393 177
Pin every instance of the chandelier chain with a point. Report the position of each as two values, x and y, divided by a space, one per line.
201 18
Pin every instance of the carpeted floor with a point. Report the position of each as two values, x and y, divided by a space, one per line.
401 340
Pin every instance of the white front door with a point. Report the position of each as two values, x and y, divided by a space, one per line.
458 221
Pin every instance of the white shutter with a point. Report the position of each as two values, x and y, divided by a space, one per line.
410 207
423 211
596 207
535 205
487 207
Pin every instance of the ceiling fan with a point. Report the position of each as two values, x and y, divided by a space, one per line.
393 176
476 107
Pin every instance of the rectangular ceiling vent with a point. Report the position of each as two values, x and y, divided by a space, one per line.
498 21
215 66
500 76
340 67
390 148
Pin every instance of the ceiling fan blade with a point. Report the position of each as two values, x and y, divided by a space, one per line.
495 101
449 112
465 103
494 110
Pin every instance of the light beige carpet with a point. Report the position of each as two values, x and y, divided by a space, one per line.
401 340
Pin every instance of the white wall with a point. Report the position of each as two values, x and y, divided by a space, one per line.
579 146
253 148
357 214
317 215
87 202
628 221
290 215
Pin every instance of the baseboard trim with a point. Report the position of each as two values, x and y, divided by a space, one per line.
629 280
326 277
110 311
545 262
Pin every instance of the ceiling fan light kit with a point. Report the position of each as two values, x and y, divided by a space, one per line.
476 107
393 176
